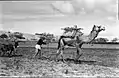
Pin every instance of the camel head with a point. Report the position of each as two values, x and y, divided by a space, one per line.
98 28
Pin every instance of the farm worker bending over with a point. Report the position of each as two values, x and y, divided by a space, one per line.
38 46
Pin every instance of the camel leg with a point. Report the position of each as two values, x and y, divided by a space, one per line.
2 52
79 54
79 51
14 51
57 54
11 52
62 56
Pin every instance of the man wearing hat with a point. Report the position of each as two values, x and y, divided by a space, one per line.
38 46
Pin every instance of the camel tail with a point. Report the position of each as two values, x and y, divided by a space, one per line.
59 42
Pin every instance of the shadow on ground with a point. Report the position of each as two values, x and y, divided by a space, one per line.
12 56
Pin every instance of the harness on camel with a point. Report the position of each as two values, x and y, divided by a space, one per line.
70 32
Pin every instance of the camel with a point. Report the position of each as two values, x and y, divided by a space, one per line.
77 41
10 44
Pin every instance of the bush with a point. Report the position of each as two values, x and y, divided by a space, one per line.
3 36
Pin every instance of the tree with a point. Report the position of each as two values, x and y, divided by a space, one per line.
114 40
103 40
18 35
49 37
3 36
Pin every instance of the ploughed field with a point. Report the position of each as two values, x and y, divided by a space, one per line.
103 57
93 62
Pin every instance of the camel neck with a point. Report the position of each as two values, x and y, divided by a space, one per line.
74 33
93 35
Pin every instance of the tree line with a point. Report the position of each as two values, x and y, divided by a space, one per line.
52 37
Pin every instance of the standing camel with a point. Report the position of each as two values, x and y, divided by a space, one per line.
78 41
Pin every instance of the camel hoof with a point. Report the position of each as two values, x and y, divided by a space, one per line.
63 61
56 60
40 58
78 56
77 61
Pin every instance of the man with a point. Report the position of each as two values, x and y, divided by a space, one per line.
38 46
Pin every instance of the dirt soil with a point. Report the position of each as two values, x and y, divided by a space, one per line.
17 66
94 63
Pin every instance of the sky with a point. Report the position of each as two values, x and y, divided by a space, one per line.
50 16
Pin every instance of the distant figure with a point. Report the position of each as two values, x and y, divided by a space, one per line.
38 46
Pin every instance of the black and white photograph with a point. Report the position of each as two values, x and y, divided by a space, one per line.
59 38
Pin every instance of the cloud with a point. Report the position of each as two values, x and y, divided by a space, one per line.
64 7
85 13
27 8
111 31
86 6
1 28
111 18
114 29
